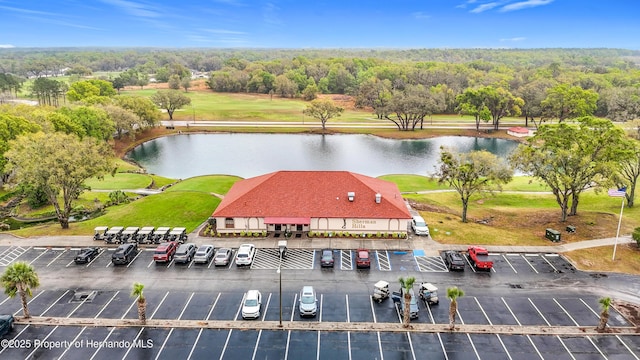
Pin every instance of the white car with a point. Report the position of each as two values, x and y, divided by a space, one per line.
245 254
419 226
252 304
308 301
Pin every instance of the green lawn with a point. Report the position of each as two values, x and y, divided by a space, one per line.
413 183
120 181
217 184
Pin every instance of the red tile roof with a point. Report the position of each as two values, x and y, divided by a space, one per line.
313 194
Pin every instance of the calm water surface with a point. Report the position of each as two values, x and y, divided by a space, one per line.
248 155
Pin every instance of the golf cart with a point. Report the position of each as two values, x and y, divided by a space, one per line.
114 234
178 234
429 293
161 234
100 232
129 234
380 291
145 235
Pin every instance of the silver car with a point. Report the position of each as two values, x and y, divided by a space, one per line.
308 302
204 254
185 253
222 258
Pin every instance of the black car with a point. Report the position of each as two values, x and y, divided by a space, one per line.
327 259
124 254
86 255
454 260
6 324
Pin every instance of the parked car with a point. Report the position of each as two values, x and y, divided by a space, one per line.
308 302
204 254
124 254
362 258
454 260
185 253
85 255
165 252
6 324
245 254
327 259
222 258
252 304
419 226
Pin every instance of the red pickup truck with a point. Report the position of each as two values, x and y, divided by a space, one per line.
479 258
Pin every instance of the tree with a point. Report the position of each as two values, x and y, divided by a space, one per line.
285 87
322 110
138 293
174 82
629 171
571 158
470 173
124 120
453 293
500 103
471 102
58 163
87 121
20 278
48 91
623 104
146 111
185 84
170 100
635 235
10 127
605 304
564 102
532 94
406 284
408 108
86 89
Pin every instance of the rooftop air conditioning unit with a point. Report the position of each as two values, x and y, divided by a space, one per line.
378 198
351 195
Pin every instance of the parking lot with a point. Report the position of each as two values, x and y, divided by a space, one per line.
177 291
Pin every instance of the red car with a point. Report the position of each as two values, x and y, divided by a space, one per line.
362 258
165 251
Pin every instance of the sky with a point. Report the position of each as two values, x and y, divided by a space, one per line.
397 24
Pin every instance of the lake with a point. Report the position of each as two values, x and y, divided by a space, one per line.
247 155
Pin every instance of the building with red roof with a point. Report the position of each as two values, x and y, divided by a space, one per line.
519 131
319 201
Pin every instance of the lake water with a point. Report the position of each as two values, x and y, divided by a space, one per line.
247 155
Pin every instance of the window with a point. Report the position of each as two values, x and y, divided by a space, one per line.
228 223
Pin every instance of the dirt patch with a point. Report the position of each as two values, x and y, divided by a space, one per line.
630 311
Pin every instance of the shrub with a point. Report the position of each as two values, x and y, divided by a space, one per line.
636 235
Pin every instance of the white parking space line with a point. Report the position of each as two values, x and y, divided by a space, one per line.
430 264
113 329
15 337
255 348
55 302
627 347
484 313
346 296
195 343
506 351
37 257
134 259
536 348
100 252
266 308
226 343
590 308
43 341
511 312
539 312
135 340
444 351
318 347
413 352
159 305
72 342
164 343
346 262
565 347
596 346
528 262
81 303
430 314
473 346
505 259
372 310
107 304
466 258
380 345
293 308
320 311
544 257
349 343
566 312
13 253
286 349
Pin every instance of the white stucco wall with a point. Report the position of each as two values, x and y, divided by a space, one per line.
319 224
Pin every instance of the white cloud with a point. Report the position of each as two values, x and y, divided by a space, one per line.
270 14
421 15
223 31
524 4
134 8
6 46
484 7
513 39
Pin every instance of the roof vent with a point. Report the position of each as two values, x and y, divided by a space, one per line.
351 195
378 198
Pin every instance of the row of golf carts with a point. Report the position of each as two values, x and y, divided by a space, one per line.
145 235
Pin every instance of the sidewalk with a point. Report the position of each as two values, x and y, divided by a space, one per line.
430 246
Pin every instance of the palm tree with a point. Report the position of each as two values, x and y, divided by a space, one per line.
19 278
142 301
406 284
453 293
605 304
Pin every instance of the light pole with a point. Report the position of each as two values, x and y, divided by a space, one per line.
282 247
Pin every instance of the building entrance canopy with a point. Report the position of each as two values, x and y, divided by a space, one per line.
288 220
